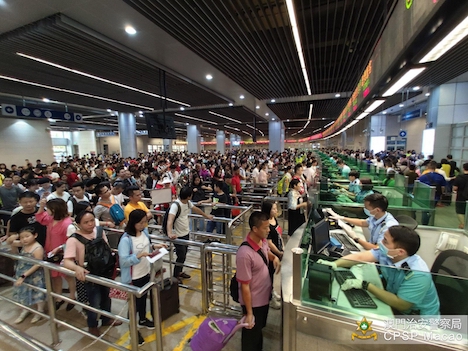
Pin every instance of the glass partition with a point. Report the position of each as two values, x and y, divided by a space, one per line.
437 302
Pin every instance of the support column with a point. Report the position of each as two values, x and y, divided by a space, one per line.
276 136
127 128
193 139
220 140
167 143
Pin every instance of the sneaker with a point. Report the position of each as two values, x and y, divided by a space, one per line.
276 305
146 323
141 340
276 296
184 275
36 318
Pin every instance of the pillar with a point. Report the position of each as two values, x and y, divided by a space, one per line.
276 136
193 139
220 140
167 143
127 128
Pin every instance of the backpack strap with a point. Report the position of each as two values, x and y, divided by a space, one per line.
80 238
245 243
99 231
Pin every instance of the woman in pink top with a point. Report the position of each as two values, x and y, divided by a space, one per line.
57 220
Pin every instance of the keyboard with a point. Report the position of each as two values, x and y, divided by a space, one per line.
358 298
342 238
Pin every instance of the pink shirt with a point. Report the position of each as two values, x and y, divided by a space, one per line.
76 250
56 233
252 269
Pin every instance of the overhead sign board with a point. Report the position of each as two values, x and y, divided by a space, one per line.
29 112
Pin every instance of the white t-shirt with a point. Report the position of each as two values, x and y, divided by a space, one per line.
140 244
65 197
181 225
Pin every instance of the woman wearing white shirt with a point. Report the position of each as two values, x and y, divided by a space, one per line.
263 175
296 207
62 193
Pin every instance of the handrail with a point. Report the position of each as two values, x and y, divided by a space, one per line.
132 291
23 338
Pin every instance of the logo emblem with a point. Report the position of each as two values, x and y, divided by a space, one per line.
364 326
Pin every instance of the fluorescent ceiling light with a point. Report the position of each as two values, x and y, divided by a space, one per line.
297 40
416 88
373 106
246 133
195 119
45 100
404 80
182 108
209 77
453 38
317 130
401 105
248 125
73 92
236 129
101 79
329 124
222 116
241 97
362 115
130 30
337 95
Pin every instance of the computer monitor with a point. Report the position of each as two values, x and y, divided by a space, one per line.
317 215
323 183
320 236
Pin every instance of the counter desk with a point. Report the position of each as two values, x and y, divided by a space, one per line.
331 323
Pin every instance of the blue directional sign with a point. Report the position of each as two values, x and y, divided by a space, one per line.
402 133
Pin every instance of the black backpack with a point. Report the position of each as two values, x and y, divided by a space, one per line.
234 287
166 216
99 258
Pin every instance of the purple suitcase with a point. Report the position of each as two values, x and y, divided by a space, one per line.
214 333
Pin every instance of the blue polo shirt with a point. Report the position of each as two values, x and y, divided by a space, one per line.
378 227
411 281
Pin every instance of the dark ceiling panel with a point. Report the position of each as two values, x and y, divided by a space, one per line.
64 42
251 41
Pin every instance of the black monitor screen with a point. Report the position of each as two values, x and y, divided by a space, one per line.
324 183
320 236
317 215
160 126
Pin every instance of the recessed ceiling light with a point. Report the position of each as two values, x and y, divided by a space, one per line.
385 112
186 124
231 104
130 30
273 119
416 88
267 114
140 112
182 108
209 77
401 105
109 110
45 100
337 95
427 94
257 107
323 119
287 120
241 97
273 100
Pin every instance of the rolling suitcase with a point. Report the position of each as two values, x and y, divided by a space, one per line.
214 333
169 297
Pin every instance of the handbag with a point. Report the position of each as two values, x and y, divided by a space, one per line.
57 258
115 293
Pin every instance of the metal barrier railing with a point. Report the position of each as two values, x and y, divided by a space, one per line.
132 292
23 338
222 274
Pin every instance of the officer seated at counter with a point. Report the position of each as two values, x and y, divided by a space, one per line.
378 221
354 183
363 191
409 287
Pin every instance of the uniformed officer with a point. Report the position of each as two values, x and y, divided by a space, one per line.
409 286
378 221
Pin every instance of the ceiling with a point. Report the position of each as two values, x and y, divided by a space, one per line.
246 45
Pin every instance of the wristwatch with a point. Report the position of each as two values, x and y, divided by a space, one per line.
23 276
356 239
365 285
